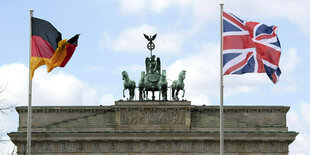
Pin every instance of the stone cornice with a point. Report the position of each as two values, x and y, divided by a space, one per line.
244 108
155 136
81 109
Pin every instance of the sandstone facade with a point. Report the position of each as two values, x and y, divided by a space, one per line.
153 127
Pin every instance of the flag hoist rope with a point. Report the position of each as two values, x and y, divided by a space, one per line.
221 88
30 94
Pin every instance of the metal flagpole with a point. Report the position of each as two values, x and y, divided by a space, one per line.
221 89
30 92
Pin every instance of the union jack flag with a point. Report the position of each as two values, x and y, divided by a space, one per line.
250 47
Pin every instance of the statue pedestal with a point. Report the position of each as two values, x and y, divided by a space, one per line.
152 103
152 115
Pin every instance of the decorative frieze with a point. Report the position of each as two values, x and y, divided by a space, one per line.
149 117
156 147
154 118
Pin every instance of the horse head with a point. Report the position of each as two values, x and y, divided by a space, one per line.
182 75
124 75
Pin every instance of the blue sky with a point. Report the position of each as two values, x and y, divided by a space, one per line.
188 38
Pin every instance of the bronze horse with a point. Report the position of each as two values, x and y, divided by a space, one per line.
141 87
128 84
163 85
178 85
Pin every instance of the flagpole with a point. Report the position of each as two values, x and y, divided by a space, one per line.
30 94
221 88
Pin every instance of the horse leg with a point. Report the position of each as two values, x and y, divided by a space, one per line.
173 93
130 94
147 95
133 93
153 96
165 94
140 94
124 92
183 92
177 94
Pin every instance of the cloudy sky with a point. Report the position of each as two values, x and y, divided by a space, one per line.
188 38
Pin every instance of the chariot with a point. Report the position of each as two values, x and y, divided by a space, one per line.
153 78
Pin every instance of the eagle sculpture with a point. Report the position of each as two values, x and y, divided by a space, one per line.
150 38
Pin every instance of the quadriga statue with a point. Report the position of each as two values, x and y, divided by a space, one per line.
153 78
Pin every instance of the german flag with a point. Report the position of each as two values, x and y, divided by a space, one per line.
47 46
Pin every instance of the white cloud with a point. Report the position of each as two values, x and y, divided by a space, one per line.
132 40
47 88
198 99
203 11
142 6
7 147
203 74
17 83
289 80
8 123
130 69
201 70
3 88
294 11
299 121
53 89
203 77
301 144
129 40
305 108
107 99
289 60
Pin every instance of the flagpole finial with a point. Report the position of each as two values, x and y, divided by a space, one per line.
31 12
221 4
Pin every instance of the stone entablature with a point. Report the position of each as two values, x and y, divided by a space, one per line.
154 127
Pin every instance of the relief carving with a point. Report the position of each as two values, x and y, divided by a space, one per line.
65 147
177 146
152 117
144 146
96 147
129 147
48 147
190 146
161 147
80 146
